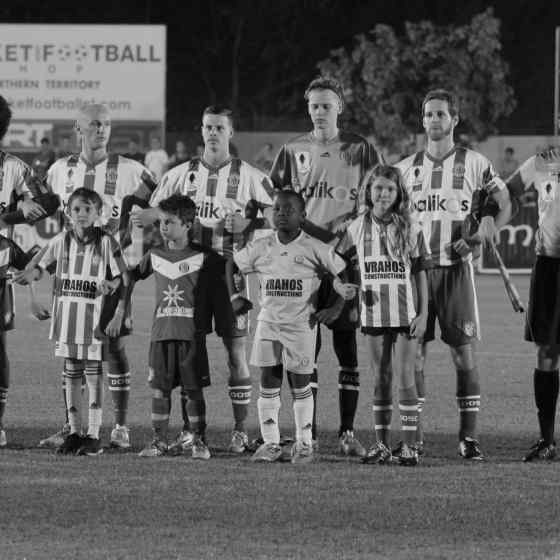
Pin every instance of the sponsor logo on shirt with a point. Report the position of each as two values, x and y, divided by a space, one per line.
435 203
284 287
321 189
384 270
78 288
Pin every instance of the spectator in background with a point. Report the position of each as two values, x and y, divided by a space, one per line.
134 151
157 159
65 148
44 159
508 164
180 156
264 158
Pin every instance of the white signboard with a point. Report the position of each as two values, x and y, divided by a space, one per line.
48 71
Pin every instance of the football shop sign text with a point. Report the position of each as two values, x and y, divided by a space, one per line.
48 71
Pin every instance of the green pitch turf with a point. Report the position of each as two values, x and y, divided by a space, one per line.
119 506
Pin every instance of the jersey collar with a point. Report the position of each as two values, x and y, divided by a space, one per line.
91 165
440 160
216 169
292 241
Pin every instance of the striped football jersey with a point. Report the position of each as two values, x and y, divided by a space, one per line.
441 191
543 173
15 180
186 285
80 268
11 256
386 290
114 178
327 174
289 274
233 187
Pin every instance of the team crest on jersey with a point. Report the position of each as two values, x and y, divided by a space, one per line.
191 184
233 181
459 170
548 190
346 157
417 178
241 322
111 175
469 328
299 259
303 162
184 266
69 181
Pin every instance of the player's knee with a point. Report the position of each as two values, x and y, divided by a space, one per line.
463 357
117 362
348 379
548 357
194 394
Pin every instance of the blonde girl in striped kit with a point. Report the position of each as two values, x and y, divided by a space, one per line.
390 256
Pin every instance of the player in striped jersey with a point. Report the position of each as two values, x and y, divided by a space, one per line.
16 182
388 247
289 264
543 327
232 198
84 257
441 181
19 196
113 177
327 166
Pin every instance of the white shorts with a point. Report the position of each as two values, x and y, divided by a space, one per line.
276 344
79 351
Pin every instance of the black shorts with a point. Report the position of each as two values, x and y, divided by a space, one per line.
379 331
543 317
176 363
349 318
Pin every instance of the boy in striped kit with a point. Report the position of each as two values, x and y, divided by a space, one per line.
388 248
441 181
290 264
232 198
86 258
189 291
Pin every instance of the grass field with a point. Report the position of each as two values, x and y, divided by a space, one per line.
119 506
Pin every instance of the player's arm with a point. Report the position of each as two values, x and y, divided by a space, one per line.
492 220
33 200
332 263
418 324
317 232
147 213
239 304
420 261
281 171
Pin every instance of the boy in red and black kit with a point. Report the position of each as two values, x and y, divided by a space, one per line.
188 281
